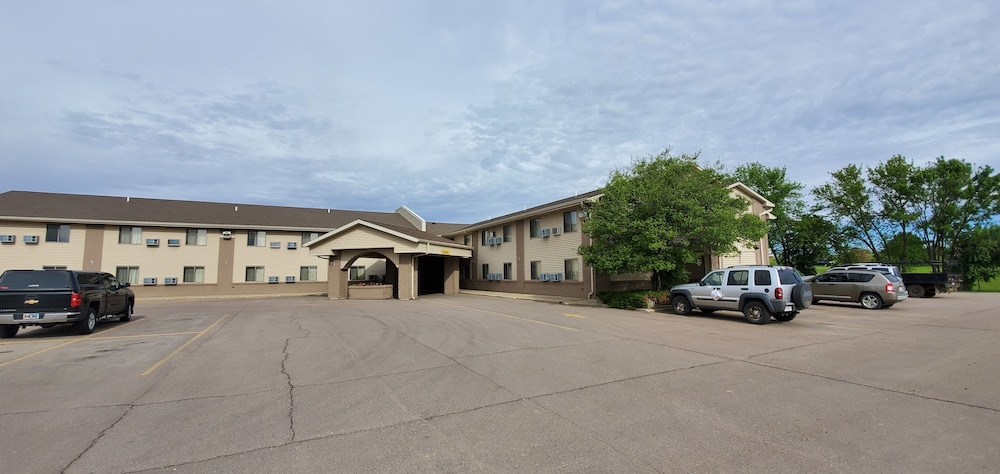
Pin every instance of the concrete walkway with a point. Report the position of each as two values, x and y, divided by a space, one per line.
543 298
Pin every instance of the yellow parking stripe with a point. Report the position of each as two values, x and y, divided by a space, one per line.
573 315
183 346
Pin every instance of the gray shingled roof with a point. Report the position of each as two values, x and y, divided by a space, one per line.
567 202
72 208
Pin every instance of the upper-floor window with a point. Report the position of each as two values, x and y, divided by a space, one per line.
307 236
466 239
256 238
508 233
129 235
486 234
571 221
197 237
57 233
534 227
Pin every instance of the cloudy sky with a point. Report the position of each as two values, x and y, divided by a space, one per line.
464 110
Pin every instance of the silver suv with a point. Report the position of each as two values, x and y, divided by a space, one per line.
757 291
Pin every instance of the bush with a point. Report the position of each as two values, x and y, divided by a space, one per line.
633 299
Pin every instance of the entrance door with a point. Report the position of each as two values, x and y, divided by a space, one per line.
430 275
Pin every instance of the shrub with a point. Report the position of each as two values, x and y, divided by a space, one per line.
632 299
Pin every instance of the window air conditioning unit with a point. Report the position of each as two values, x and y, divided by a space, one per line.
275 245
7 239
556 231
544 277
152 242
31 239
174 242
272 279
557 277
149 281
293 245
170 281
543 233
227 234
289 279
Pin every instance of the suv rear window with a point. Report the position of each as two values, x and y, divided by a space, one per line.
34 280
788 276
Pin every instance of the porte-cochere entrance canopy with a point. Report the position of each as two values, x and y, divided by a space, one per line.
422 262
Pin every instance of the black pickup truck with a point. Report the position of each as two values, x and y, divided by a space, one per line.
49 297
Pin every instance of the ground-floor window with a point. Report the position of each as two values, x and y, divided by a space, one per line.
307 274
357 273
508 271
486 271
572 269
255 274
535 269
128 275
194 274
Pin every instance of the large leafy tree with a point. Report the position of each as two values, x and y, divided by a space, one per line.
897 185
850 200
786 195
980 255
663 213
957 199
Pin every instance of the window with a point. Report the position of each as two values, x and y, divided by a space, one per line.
256 238
486 271
713 279
197 237
534 227
57 233
307 236
738 277
762 277
572 269
127 274
129 235
357 272
255 274
535 269
486 234
508 271
466 239
194 274
307 273
571 221
508 233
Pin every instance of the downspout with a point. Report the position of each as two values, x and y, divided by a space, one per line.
593 284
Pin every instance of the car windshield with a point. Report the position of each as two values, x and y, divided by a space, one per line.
34 280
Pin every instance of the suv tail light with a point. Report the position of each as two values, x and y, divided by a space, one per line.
889 288
779 293
75 300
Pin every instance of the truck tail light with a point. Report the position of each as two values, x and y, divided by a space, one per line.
75 300
889 288
779 293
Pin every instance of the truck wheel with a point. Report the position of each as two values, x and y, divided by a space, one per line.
915 291
9 330
786 317
86 325
756 313
681 305
127 315
871 301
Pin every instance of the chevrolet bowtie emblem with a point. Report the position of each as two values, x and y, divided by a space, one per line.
30 301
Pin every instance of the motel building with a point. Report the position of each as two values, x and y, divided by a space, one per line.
168 248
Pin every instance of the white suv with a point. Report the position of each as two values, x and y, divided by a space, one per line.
757 291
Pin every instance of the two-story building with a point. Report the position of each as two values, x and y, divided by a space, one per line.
205 249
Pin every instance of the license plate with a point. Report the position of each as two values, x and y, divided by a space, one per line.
30 317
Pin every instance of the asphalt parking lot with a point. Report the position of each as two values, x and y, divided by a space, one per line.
470 383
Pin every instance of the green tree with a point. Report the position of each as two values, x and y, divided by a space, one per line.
956 200
849 201
980 255
897 186
810 239
786 195
663 213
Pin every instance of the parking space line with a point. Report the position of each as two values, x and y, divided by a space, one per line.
183 346
33 354
509 316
